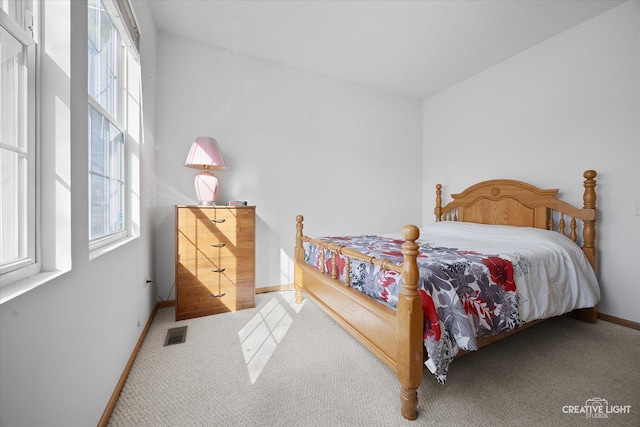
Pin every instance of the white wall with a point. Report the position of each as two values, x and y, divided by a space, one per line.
346 157
544 116
64 345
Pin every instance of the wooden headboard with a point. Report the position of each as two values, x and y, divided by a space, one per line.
509 202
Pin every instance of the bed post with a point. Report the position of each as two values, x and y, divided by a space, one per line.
589 237
589 217
438 209
409 326
299 258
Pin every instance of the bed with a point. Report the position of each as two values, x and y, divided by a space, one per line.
397 333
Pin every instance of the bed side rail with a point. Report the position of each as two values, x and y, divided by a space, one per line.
337 249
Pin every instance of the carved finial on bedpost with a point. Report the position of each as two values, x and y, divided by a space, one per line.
590 189
299 258
409 324
438 209
589 216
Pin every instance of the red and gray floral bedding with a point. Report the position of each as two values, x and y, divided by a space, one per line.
475 280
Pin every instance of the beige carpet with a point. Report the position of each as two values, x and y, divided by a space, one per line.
283 364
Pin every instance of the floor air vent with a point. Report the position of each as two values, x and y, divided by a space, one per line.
176 336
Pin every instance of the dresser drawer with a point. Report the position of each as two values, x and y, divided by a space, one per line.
226 268
194 221
202 299
210 245
230 293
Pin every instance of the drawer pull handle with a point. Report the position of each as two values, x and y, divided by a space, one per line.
218 295
218 270
217 245
218 221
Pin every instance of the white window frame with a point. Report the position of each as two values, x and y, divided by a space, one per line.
125 49
52 27
28 262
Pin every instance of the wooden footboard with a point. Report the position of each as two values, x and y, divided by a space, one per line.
395 337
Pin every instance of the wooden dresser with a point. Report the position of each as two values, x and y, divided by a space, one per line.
215 259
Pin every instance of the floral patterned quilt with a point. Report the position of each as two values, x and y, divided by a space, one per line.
464 294
475 280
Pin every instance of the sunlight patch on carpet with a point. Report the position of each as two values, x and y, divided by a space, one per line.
261 335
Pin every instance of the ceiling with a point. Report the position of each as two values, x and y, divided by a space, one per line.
410 48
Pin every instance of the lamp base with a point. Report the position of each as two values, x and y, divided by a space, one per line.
206 185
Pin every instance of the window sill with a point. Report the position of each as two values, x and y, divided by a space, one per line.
13 290
101 250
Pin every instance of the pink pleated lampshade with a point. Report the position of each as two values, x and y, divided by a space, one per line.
205 154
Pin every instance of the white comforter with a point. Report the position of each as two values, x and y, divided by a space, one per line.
558 275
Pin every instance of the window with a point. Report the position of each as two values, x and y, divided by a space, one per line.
18 192
113 120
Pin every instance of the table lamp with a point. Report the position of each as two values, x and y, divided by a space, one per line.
205 154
